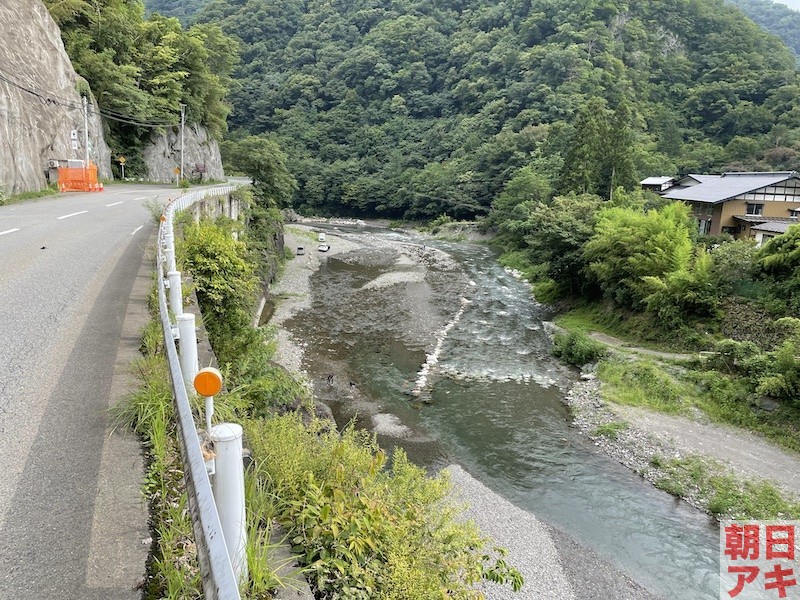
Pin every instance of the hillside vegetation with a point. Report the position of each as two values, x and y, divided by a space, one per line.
140 70
775 17
414 109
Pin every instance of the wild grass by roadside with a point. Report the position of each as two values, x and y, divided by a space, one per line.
366 529
50 190
611 430
686 388
638 328
173 570
680 391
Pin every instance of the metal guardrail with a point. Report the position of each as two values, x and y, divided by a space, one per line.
219 581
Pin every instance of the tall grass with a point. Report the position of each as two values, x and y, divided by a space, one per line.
173 570
722 494
642 383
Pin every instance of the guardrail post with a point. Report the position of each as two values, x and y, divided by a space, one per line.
169 257
169 248
175 292
229 493
188 348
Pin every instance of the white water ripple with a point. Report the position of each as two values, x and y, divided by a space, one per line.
433 358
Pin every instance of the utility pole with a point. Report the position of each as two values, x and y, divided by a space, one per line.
183 122
86 130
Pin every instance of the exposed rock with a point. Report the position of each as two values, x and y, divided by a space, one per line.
551 329
200 155
767 404
39 101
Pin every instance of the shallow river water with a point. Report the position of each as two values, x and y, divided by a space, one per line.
494 399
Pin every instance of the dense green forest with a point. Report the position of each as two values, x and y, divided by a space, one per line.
184 10
415 109
141 70
540 116
776 18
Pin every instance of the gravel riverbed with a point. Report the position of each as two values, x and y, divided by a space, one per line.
646 434
554 565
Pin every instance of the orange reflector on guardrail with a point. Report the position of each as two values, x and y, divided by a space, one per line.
208 382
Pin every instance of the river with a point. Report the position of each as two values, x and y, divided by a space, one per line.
491 400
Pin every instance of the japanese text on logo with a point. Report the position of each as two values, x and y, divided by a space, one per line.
759 560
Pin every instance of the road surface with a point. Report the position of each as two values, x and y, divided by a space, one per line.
74 278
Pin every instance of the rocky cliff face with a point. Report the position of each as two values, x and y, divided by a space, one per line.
39 103
200 155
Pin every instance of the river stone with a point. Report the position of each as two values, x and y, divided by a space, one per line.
767 404
390 425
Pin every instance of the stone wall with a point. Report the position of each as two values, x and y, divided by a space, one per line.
200 151
39 102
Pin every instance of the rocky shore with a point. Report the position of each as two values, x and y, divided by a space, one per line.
645 440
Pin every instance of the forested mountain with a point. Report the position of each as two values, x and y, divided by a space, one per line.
776 18
141 70
185 10
416 108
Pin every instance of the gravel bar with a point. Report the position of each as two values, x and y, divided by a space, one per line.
553 564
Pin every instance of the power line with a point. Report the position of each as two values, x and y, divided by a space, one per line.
47 98
131 121
111 114
50 99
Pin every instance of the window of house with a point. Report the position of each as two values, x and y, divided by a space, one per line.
730 230
755 209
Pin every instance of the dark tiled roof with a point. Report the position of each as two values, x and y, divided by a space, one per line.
763 219
720 188
774 226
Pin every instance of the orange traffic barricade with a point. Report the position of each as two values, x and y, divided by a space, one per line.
79 179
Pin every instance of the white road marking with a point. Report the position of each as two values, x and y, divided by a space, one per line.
72 215
137 229
9 231
115 203
141 198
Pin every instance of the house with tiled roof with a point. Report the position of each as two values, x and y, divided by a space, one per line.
745 205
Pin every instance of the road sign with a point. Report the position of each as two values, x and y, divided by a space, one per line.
208 382
177 171
121 160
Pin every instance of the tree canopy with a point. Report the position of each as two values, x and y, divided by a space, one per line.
415 109
141 70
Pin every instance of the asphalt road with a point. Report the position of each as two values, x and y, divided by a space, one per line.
74 278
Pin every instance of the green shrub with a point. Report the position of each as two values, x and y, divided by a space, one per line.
547 291
577 348
683 295
440 221
365 531
730 355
